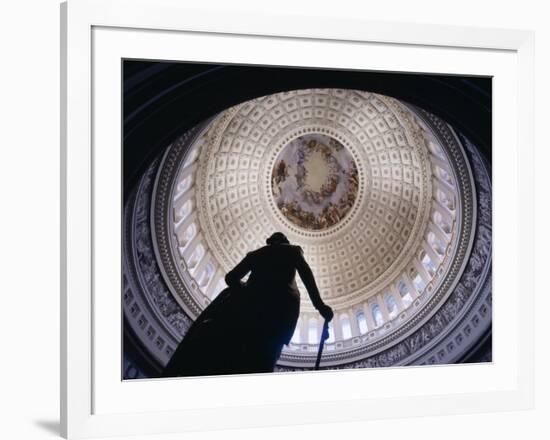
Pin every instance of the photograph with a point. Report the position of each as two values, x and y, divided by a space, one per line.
281 219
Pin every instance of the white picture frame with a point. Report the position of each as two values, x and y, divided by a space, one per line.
93 401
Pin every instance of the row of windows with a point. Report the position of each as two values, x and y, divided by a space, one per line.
361 322
193 257
419 283
417 280
442 222
436 150
442 198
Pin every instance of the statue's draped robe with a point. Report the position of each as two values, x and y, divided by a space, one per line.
244 329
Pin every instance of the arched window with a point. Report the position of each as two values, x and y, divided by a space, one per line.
206 274
418 282
439 221
331 338
219 287
405 294
377 315
390 305
442 198
188 235
312 334
436 150
191 157
436 244
428 264
444 175
185 184
361 322
196 256
296 335
346 327
185 209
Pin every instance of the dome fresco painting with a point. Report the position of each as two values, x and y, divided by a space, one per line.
382 196
314 182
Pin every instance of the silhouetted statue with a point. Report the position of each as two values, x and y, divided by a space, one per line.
246 326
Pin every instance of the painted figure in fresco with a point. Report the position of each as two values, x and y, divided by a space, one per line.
315 183
245 328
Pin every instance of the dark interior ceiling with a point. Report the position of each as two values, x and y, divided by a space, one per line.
162 100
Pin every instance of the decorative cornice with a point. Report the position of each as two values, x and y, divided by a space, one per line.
149 307
161 213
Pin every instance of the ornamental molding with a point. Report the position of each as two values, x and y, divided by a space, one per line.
149 307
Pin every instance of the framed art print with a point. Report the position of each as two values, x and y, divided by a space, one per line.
282 223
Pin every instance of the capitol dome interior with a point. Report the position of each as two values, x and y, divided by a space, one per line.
384 181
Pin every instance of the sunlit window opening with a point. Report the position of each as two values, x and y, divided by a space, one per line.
361 322
312 333
219 287
206 275
185 209
390 305
418 282
443 174
331 337
192 156
405 294
436 150
196 256
188 235
439 221
436 244
185 184
346 327
377 315
428 264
